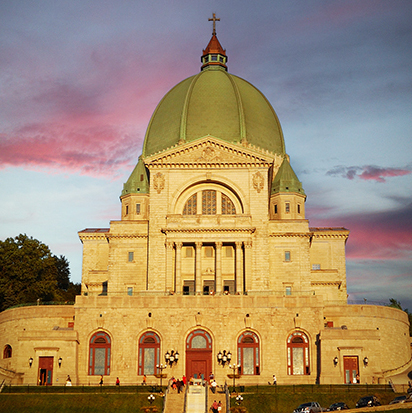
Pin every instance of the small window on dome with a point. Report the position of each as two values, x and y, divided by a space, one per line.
298 208
221 59
214 58
287 207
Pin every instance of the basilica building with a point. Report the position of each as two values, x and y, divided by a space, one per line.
213 266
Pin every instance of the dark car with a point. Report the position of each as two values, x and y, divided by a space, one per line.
399 399
368 401
338 406
310 407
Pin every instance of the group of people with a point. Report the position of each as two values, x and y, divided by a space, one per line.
216 407
177 384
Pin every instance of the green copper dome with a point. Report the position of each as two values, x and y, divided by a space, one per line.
216 103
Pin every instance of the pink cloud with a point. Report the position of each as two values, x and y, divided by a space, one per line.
378 236
368 172
378 174
94 150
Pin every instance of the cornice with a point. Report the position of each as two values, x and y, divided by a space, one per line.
208 230
128 236
290 235
211 155
327 283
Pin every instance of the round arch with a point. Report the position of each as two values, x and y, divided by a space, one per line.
248 353
7 351
298 355
226 188
100 344
148 353
198 348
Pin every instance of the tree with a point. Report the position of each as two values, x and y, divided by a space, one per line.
396 304
30 272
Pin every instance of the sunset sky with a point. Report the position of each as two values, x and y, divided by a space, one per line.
79 81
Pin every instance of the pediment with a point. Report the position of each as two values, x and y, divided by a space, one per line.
211 151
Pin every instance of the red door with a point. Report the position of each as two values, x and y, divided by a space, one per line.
198 364
351 367
45 371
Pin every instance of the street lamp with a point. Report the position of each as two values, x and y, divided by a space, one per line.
171 357
60 362
161 367
223 358
234 367
150 398
239 399
30 361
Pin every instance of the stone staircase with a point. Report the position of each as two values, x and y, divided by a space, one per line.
218 396
195 400
174 402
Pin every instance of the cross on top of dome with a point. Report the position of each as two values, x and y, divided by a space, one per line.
214 55
214 19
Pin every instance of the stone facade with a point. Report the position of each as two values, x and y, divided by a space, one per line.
213 254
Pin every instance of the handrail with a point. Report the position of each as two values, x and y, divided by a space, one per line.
207 396
165 397
185 400
227 398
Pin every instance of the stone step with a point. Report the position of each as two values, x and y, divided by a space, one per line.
175 402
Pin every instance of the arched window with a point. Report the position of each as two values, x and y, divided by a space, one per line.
149 353
191 206
209 202
228 207
199 339
298 354
99 355
248 353
7 352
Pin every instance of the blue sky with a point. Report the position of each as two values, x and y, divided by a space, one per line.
79 81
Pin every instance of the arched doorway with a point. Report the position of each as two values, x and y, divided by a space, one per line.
198 354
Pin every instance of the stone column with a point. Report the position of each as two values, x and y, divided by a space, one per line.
178 280
198 275
239 268
218 269
169 266
248 265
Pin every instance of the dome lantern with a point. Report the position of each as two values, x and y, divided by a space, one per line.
214 55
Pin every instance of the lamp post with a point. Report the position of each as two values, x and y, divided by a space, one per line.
223 358
234 367
150 398
161 367
239 399
171 357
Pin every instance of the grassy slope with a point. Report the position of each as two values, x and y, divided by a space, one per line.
79 403
284 399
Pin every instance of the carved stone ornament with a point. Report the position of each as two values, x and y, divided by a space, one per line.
209 154
258 181
159 182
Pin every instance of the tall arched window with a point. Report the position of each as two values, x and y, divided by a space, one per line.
191 206
298 354
209 202
149 353
99 354
248 353
7 352
228 207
